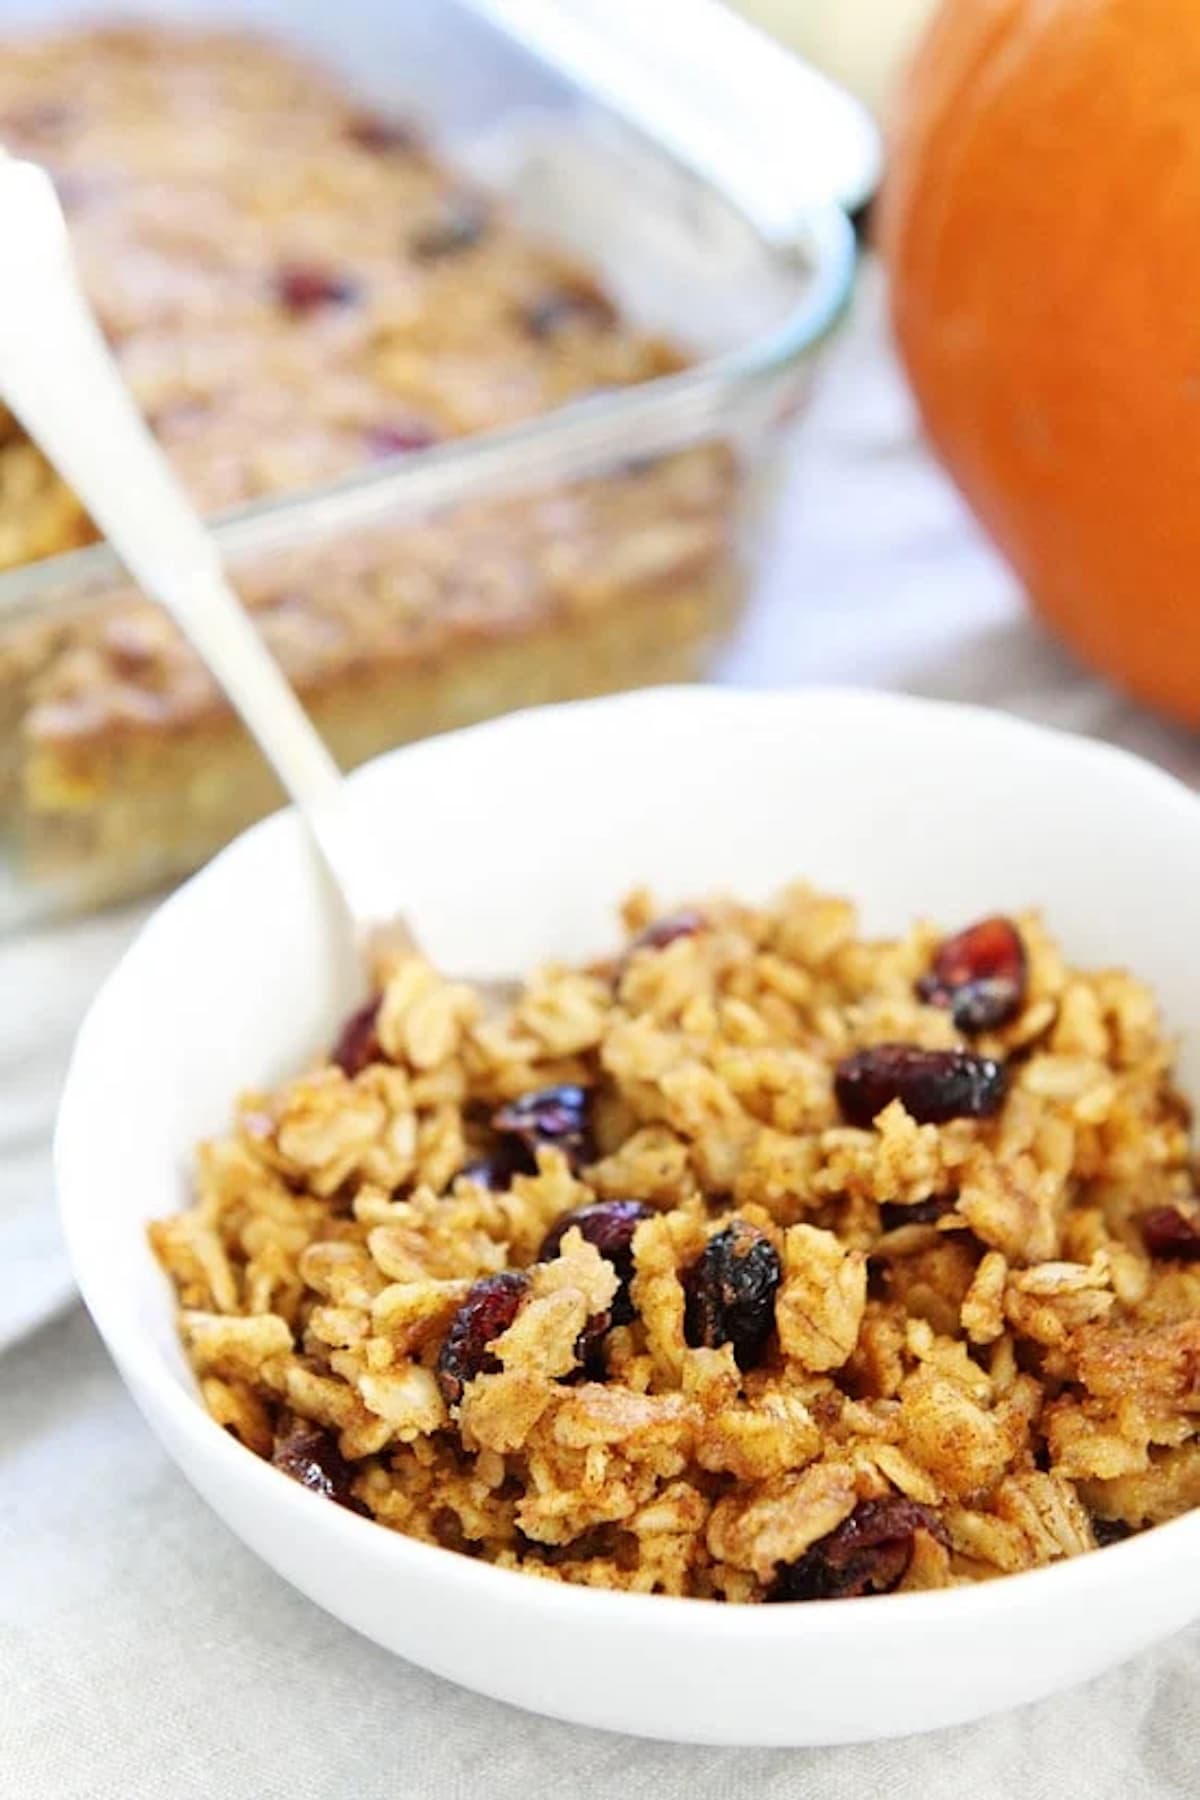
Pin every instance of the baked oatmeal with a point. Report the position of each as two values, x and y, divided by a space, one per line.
295 290
761 1263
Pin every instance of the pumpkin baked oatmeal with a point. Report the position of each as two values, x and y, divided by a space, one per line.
760 1263
295 290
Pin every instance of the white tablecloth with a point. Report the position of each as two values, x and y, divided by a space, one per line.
144 1652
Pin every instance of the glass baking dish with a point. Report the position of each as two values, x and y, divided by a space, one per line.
603 544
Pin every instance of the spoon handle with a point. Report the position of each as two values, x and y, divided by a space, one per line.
60 380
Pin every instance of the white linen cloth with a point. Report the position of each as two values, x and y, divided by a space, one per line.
145 1653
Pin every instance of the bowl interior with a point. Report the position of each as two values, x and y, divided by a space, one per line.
512 844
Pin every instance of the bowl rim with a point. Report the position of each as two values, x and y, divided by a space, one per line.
145 1370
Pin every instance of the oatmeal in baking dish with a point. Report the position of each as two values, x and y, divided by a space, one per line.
762 1262
296 291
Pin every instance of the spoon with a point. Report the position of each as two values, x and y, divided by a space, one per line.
61 381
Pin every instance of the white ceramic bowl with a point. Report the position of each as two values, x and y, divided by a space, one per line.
512 842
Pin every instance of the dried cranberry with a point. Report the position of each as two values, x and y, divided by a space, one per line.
553 312
925 1212
1171 1235
661 932
382 137
609 1225
590 1361
868 1553
459 224
933 1085
42 119
552 1117
493 1172
490 1307
359 1044
980 976
879 1278
400 438
303 288
730 1293
311 1456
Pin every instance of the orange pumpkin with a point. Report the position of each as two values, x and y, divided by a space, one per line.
1042 224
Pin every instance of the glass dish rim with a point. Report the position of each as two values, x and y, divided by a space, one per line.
582 437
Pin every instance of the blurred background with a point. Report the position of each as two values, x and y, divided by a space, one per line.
863 43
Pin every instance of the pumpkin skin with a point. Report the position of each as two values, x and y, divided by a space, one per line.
1041 223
